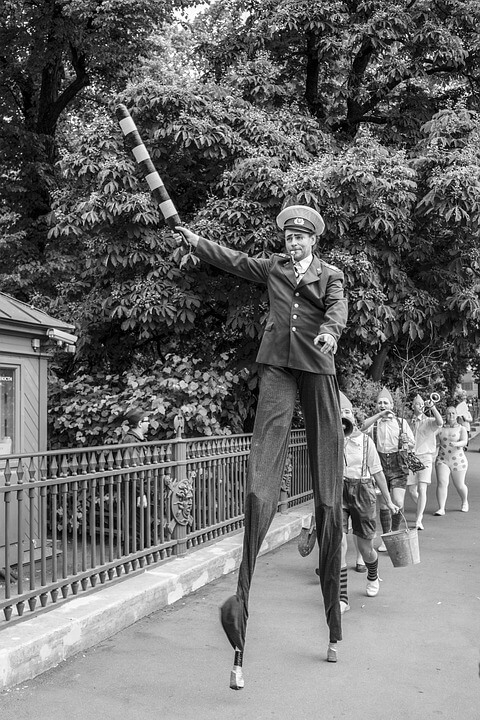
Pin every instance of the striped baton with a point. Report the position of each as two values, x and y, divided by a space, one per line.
140 152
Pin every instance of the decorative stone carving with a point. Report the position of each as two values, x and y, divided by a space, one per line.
287 475
179 425
181 501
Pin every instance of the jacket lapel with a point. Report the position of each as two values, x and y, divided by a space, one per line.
288 271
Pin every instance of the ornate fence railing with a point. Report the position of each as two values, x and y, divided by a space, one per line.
71 520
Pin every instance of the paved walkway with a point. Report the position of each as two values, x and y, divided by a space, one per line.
411 652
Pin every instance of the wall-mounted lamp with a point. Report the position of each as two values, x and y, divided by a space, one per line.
35 344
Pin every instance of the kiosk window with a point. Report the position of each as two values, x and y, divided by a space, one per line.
7 410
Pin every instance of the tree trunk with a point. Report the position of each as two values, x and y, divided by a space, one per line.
378 364
312 75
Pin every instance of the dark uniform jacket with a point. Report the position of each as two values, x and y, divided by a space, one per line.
298 313
131 436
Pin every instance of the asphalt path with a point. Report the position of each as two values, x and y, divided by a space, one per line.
411 652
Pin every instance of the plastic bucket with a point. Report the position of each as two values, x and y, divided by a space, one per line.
402 546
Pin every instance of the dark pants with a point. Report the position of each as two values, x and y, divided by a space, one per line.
270 441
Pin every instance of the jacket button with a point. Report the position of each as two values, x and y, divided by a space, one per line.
297 294
294 329
294 317
295 305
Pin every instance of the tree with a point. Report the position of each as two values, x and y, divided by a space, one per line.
233 131
137 284
392 64
230 164
51 51
408 235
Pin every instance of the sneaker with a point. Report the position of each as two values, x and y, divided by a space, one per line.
360 567
382 548
439 512
344 607
465 507
373 586
332 652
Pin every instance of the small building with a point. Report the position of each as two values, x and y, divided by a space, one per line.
27 336
470 385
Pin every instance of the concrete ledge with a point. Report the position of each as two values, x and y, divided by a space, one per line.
31 647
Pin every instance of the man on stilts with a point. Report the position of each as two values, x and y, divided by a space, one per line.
308 313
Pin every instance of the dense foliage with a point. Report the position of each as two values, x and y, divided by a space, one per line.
201 398
55 56
367 111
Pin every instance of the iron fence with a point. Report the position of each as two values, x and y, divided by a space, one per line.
74 519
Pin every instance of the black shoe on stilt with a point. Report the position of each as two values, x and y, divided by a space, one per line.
232 619
231 613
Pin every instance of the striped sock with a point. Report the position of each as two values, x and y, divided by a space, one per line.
386 520
343 585
372 570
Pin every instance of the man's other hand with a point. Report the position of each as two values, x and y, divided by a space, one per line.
327 342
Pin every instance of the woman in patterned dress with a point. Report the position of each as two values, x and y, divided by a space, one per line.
451 461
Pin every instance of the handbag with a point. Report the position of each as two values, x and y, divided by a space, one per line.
408 456
408 460
411 461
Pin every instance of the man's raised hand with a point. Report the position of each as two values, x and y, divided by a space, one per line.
188 235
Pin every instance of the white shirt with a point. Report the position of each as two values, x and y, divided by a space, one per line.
388 432
354 456
302 266
463 411
425 429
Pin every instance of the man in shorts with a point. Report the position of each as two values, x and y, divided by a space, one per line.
362 470
390 434
425 430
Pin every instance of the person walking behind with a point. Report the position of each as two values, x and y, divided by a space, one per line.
307 315
464 416
451 461
390 435
138 423
424 430
362 468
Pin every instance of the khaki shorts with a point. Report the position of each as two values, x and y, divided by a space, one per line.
424 475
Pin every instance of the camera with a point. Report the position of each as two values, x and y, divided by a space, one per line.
62 338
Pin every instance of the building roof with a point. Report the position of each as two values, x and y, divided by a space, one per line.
13 313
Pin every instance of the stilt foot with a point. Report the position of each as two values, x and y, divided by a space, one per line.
332 653
237 681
